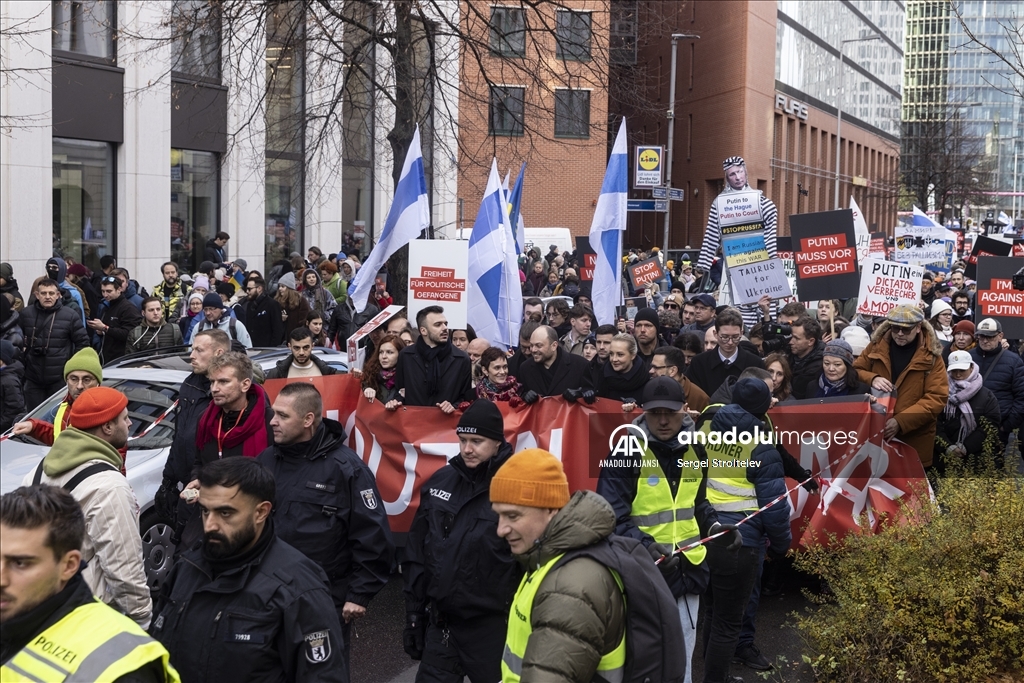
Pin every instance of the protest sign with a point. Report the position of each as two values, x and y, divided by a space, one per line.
826 258
438 270
751 282
633 304
996 297
1018 247
862 476
877 247
586 257
860 231
355 353
920 244
645 272
742 226
886 284
984 246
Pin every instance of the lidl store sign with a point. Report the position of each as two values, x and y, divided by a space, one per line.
649 165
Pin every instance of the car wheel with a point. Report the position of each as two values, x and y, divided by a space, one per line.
157 551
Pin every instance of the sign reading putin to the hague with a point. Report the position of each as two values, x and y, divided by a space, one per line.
884 285
647 171
826 255
438 270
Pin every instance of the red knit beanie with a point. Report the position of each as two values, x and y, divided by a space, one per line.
97 406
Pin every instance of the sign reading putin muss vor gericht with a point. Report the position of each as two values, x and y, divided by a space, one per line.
826 255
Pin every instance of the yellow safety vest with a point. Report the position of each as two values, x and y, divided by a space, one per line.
668 521
93 643
729 490
58 420
609 669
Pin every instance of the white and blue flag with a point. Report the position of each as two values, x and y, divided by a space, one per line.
515 216
408 217
606 232
495 296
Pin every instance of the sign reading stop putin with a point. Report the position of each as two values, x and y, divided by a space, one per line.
646 272
826 255
438 275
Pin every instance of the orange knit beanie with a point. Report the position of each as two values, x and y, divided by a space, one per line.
532 478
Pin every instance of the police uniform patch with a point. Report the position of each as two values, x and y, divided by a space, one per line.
369 499
318 646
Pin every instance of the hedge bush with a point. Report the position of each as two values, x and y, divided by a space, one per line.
940 598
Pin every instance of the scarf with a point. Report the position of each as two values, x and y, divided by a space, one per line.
827 388
433 356
960 394
251 432
624 385
485 388
387 378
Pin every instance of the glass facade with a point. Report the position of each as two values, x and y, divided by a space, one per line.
195 201
808 42
195 25
85 27
83 200
285 123
357 181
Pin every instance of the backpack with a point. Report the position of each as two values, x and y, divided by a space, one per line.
652 616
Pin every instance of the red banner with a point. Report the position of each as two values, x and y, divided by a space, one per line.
861 475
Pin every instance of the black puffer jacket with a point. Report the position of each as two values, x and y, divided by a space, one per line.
10 329
454 559
1006 381
806 370
122 317
52 336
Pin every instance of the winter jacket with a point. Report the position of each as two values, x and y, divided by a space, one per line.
1005 380
853 386
317 296
10 330
984 440
618 485
146 338
122 317
345 321
193 399
263 321
73 292
174 298
567 372
623 387
769 483
235 329
337 287
455 561
921 391
280 370
12 395
329 509
268 618
578 612
707 370
11 287
249 435
52 336
452 381
806 370
296 316
112 547
213 253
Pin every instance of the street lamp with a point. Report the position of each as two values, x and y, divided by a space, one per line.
839 104
671 115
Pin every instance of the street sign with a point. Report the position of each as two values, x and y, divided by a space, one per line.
661 205
646 205
676 194
659 192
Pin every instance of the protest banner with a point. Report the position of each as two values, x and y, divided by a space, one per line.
860 231
438 270
984 246
887 284
355 353
920 244
645 272
1017 248
751 282
629 309
742 226
861 474
826 258
996 297
586 257
877 248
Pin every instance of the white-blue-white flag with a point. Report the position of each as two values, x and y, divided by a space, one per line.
495 296
606 232
408 217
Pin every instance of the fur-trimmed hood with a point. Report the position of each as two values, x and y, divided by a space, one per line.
934 343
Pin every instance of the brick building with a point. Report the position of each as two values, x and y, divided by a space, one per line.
762 82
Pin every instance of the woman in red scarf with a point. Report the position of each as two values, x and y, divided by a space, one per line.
379 370
496 384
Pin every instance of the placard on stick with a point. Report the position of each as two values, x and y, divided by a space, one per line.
438 270
645 272
751 282
996 297
887 284
826 255
984 246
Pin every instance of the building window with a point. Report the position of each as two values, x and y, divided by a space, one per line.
196 30
506 113
195 201
83 200
358 122
572 113
85 27
572 35
508 31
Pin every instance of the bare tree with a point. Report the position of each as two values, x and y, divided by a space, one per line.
1012 57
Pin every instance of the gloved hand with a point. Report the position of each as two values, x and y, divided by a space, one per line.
812 485
730 541
572 395
670 562
165 500
463 406
414 634
515 402
589 396
530 397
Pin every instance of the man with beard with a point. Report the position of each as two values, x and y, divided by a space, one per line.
603 343
332 512
85 460
262 314
645 329
82 371
245 605
962 306
432 372
301 362
120 317
154 332
172 292
553 371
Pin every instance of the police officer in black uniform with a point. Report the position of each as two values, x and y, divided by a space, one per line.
460 577
328 503
243 605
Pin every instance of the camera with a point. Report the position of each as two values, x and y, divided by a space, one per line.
776 337
1017 280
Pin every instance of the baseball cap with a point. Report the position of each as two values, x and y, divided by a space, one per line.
959 360
663 392
989 327
705 300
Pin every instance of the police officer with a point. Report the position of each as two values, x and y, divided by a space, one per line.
243 605
52 626
456 565
329 505
661 500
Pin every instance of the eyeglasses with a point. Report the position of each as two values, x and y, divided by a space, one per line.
250 289
671 307
729 337
902 329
